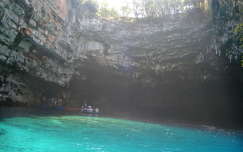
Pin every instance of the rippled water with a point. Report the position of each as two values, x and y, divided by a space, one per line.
93 134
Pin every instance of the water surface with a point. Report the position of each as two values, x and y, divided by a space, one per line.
94 134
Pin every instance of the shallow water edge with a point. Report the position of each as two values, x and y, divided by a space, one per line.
8 112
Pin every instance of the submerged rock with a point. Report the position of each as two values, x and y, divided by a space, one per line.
2 132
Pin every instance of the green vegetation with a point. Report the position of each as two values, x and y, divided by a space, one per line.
93 8
107 12
226 18
239 34
225 14
141 8
158 8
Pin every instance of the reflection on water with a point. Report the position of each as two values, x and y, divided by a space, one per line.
86 134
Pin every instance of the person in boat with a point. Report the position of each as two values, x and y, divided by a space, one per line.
90 109
97 110
84 108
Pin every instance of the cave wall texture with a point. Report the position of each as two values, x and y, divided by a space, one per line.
34 45
184 66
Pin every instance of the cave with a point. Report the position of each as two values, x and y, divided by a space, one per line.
126 70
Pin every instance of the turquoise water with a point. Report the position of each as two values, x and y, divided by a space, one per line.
93 134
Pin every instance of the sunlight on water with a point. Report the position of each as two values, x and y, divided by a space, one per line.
93 134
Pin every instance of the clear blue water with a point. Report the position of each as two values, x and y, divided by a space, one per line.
93 134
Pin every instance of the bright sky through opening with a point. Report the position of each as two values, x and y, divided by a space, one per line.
116 4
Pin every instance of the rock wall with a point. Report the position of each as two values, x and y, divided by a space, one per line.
61 50
33 42
39 42
30 37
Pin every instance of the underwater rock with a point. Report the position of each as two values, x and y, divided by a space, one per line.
2 132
